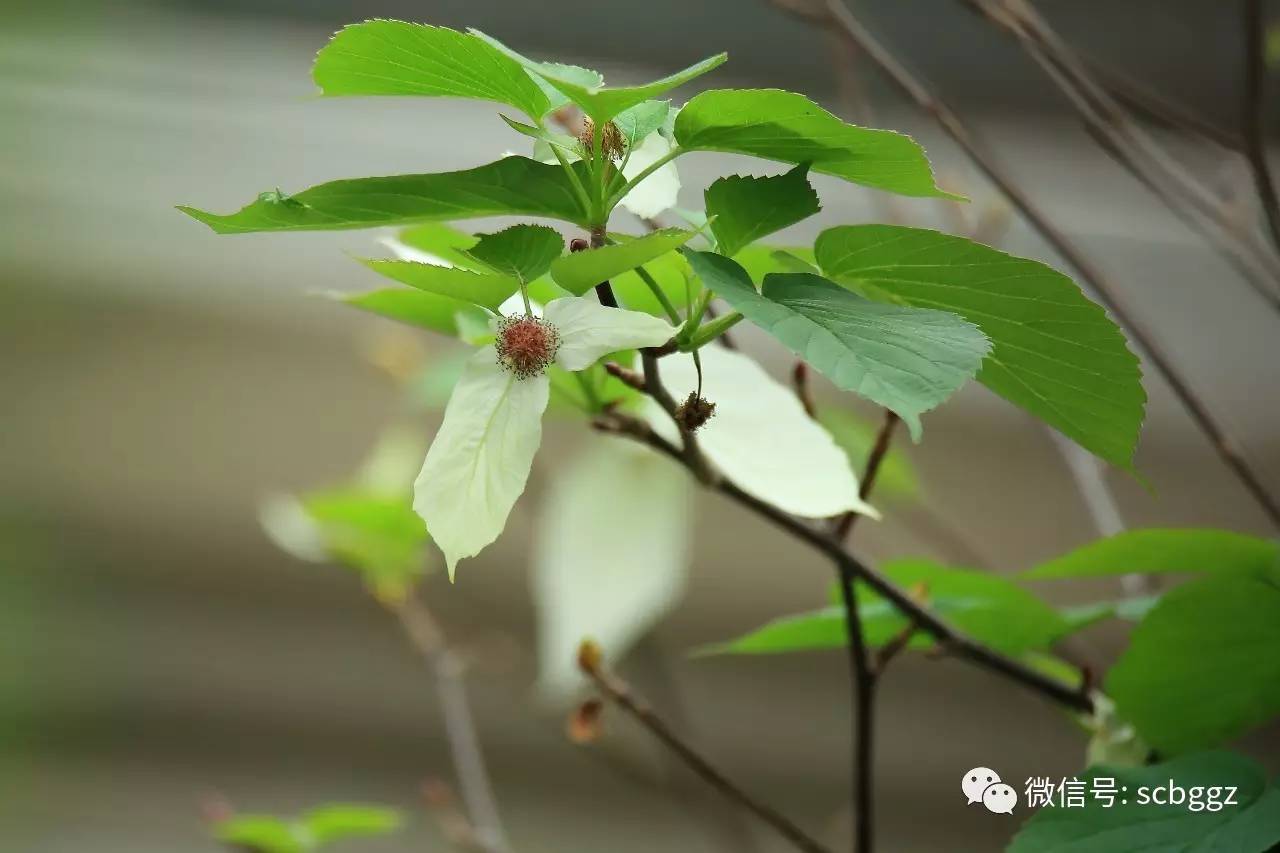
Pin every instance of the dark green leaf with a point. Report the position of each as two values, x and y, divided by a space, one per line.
1202 823
1054 353
748 208
1155 551
581 271
988 607
596 100
778 125
1202 667
333 822
522 251
384 57
487 290
511 186
906 359
416 308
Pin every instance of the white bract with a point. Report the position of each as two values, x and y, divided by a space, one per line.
479 462
761 437
659 191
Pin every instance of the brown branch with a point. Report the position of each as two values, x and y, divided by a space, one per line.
800 378
879 450
1255 110
604 290
468 760
837 15
621 694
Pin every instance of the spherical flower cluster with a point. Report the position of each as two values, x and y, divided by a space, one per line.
526 345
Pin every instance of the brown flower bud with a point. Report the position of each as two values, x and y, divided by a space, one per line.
590 656
694 412
585 723
612 145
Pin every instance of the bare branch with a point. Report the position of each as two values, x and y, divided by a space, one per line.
622 695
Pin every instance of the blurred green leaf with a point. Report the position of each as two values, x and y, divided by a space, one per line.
897 478
1081 616
905 359
581 271
261 834
511 186
1054 352
760 260
523 252
667 270
1154 551
381 537
332 822
610 555
382 57
596 100
778 125
747 208
486 290
1128 824
987 607
441 242
1202 667
413 307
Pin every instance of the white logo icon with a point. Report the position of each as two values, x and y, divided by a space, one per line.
983 785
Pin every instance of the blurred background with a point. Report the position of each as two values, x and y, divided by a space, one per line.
158 653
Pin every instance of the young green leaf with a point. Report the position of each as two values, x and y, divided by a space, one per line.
988 607
524 252
487 290
511 186
784 126
480 458
747 208
906 359
1202 667
415 308
1054 353
1155 551
342 820
667 271
434 242
610 556
581 271
636 123
383 57
599 102
377 535
801 470
1201 823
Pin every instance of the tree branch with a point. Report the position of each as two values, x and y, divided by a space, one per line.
835 14
604 290
621 694
468 760
1255 110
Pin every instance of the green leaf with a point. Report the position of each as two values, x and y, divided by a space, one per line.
1155 551
988 607
596 100
442 242
581 271
383 57
416 308
1081 616
489 291
784 126
511 186
614 519
524 252
641 120
1134 822
667 270
906 359
1054 353
1202 667
334 822
897 478
747 208
760 260
378 535
260 834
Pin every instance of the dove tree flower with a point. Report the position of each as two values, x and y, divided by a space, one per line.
480 459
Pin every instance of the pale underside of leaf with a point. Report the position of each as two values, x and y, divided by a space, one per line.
589 330
480 459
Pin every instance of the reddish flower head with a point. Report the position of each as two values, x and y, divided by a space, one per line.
526 345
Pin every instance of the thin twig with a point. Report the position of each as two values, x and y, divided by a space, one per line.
800 378
879 450
957 643
1255 111
837 15
621 694
604 290
468 760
